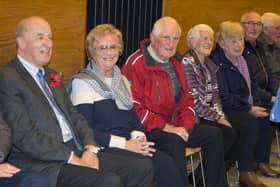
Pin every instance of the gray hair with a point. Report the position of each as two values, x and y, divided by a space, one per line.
194 33
268 19
157 25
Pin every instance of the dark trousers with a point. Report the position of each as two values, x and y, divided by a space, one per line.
166 172
26 179
207 137
264 140
114 171
254 138
229 139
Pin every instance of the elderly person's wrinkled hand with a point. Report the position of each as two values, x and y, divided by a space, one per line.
140 145
180 131
8 170
259 111
224 122
90 159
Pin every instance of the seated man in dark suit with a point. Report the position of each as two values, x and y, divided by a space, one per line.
11 176
49 135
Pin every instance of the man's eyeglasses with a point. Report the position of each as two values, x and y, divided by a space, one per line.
252 23
107 47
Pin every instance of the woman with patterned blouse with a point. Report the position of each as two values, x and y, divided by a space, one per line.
200 73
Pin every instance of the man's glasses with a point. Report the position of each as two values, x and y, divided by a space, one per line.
107 47
252 23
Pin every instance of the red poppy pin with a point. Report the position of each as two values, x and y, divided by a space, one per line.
55 79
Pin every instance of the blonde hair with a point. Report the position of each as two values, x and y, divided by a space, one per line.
229 29
100 31
194 33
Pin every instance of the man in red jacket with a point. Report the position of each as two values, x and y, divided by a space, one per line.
164 102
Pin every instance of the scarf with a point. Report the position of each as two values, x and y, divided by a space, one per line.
242 67
119 91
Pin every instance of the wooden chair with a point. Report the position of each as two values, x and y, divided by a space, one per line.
189 153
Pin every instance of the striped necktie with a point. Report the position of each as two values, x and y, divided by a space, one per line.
55 105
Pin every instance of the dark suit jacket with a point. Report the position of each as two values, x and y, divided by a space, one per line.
267 79
233 88
37 139
5 140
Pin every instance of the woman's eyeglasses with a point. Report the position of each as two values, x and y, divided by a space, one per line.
107 47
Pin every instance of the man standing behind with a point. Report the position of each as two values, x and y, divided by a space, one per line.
254 54
267 80
270 39
48 133
164 102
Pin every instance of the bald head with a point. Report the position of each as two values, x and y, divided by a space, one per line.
34 40
24 25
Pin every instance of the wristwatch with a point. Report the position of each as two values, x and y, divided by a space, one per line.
94 150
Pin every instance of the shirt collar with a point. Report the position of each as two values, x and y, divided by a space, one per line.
33 70
154 55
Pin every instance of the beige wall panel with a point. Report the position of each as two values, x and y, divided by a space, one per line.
277 5
68 21
212 12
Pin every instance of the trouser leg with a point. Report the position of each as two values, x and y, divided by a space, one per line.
134 171
229 139
247 127
174 146
264 141
211 140
166 173
76 176
26 179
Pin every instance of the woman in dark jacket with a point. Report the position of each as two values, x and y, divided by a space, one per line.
241 104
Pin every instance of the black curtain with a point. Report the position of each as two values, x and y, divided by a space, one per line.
134 18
